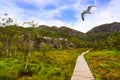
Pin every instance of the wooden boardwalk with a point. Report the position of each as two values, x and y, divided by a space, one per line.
81 70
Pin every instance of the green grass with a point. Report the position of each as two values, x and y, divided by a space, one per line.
55 65
104 64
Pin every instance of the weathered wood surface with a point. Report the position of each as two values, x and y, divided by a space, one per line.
81 70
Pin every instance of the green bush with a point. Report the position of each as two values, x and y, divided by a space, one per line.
8 74
32 69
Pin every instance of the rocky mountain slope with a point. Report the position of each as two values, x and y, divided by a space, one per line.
111 27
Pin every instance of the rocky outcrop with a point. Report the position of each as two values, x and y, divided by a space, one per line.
58 43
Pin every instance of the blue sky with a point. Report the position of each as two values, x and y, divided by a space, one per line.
63 12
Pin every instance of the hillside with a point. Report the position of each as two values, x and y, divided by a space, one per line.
104 36
104 28
62 30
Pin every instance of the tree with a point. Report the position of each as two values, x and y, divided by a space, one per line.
28 42
6 21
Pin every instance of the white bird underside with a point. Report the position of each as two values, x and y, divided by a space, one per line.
86 12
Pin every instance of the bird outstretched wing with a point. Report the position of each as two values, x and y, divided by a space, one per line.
82 15
89 8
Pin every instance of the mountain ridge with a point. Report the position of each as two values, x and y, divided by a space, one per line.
103 28
109 27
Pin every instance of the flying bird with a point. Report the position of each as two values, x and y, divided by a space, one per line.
86 12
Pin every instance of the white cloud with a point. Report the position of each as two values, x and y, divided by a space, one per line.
42 16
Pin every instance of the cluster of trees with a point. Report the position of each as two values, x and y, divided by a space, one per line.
11 39
14 38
